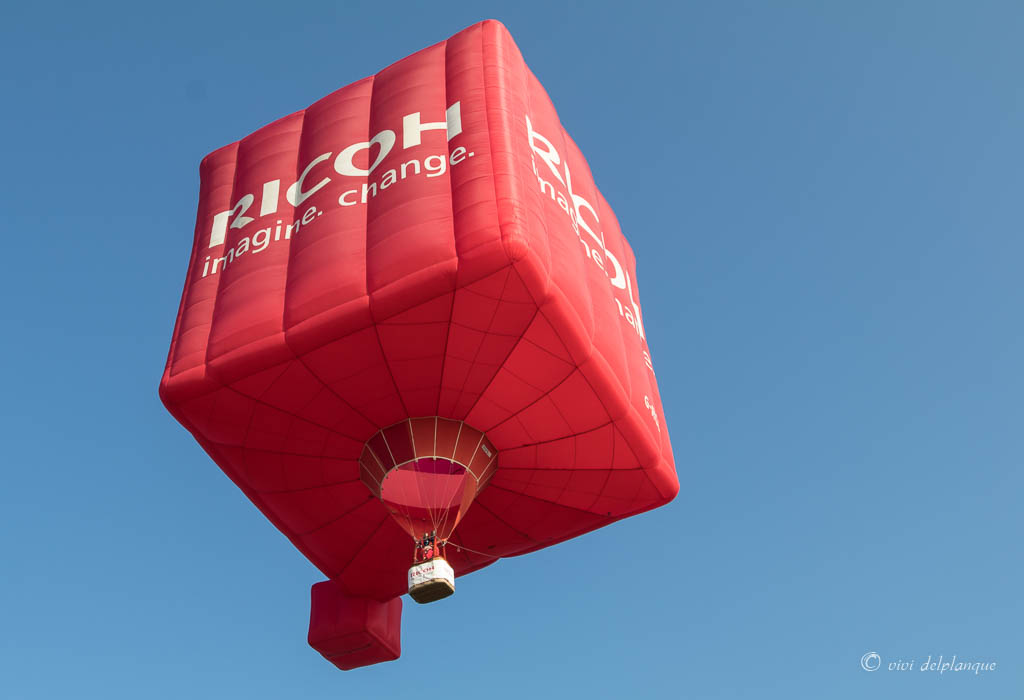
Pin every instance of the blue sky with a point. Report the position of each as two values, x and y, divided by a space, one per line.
825 202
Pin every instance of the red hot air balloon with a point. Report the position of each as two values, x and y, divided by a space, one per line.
411 334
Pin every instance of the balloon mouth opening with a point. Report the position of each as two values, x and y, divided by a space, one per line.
426 472
425 492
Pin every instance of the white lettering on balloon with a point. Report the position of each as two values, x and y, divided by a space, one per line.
583 217
554 179
575 206
344 165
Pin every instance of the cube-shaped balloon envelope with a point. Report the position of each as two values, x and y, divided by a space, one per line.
410 313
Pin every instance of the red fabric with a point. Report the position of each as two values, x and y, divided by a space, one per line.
491 284
353 632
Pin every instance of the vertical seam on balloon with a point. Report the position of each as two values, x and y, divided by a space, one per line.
330 390
482 482
493 156
475 450
483 392
412 438
476 488
284 306
561 415
476 353
554 328
560 341
607 475
288 247
455 445
291 247
513 170
366 266
223 275
608 413
483 78
390 453
526 95
227 239
632 451
455 243
531 403
387 366
402 482
487 122
512 175
580 267
383 469
597 396
525 74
